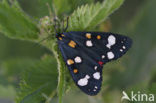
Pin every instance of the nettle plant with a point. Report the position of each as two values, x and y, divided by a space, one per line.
43 80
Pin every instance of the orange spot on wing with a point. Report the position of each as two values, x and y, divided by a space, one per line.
75 70
60 38
70 62
63 35
98 37
72 44
88 35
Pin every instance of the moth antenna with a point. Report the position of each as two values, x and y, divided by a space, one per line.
65 29
56 23
62 26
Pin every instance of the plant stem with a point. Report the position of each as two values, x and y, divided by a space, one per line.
61 68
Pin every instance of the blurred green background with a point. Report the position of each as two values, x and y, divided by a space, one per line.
136 71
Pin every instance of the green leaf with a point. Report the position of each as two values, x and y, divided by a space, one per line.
12 68
39 10
61 69
39 82
15 24
7 92
61 6
89 16
68 6
152 88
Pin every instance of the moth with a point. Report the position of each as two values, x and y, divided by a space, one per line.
85 53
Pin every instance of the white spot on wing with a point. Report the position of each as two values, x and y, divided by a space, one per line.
95 67
111 41
110 55
95 87
83 81
96 75
89 43
121 50
124 47
87 77
103 56
78 59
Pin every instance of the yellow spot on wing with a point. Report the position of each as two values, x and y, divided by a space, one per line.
75 70
72 44
60 38
98 37
70 62
88 35
63 35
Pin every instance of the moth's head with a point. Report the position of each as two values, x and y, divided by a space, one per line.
59 26
60 36
53 28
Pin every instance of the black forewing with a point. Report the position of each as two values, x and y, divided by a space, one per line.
100 46
90 69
